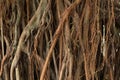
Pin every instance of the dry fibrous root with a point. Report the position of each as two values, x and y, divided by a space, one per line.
59 39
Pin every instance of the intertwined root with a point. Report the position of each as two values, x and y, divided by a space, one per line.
59 39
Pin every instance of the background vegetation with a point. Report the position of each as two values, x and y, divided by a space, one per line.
59 39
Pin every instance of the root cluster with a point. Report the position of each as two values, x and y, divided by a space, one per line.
59 39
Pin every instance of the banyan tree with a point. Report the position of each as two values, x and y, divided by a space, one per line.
59 39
